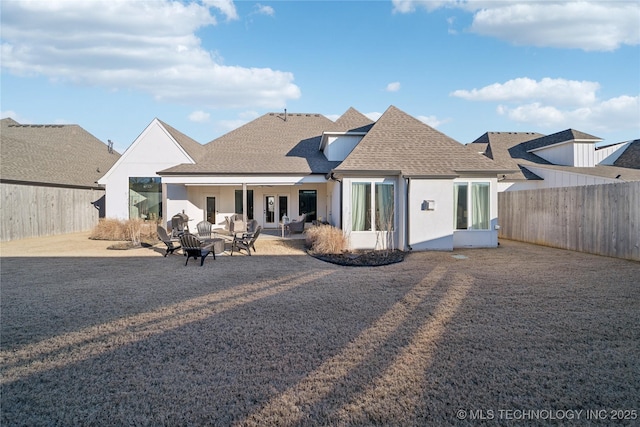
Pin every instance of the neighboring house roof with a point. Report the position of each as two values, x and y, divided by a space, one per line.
603 171
400 143
194 149
630 158
506 148
514 149
61 155
274 143
559 137
353 121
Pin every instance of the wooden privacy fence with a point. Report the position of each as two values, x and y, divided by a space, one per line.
599 219
34 211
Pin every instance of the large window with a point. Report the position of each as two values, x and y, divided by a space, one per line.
145 198
308 203
368 209
471 205
239 207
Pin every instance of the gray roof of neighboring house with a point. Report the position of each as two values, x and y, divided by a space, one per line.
511 148
194 149
64 155
630 158
559 137
604 171
271 144
400 143
507 148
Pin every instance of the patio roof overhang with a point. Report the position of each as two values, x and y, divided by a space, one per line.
232 180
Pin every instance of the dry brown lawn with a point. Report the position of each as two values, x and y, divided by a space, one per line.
132 338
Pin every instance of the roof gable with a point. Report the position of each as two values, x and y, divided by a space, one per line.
55 154
400 142
274 143
158 146
353 121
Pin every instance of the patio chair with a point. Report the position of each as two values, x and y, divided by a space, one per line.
296 226
204 229
194 248
172 243
246 241
252 225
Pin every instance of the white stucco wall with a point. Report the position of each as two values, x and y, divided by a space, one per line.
339 146
431 229
152 151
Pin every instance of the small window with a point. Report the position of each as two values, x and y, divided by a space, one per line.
471 209
384 207
145 198
361 206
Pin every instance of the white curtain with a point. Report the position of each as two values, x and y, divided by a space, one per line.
460 206
360 199
480 201
384 207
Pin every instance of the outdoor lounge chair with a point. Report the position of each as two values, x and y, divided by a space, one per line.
194 248
172 243
246 241
204 229
296 226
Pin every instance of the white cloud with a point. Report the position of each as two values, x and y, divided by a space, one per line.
225 6
586 25
569 92
15 116
620 113
393 87
558 103
232 124
432 121
199 117
261 9
149 46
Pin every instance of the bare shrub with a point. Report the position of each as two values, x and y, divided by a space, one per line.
133 230
326 239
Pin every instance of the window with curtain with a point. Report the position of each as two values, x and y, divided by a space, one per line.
480 206
384 200
460 205
361 206
471 203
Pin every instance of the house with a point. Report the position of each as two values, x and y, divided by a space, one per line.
395 182
563 159
48 179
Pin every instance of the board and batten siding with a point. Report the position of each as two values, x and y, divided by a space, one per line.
34 211
600 219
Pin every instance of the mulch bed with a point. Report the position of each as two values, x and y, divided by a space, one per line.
362 258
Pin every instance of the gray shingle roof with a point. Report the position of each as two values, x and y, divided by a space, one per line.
64 155
507 148
398 142
194 149
630 158
558 137
354 121
267 145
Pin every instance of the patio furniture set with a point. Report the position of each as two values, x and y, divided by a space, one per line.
206 241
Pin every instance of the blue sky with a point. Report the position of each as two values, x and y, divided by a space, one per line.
206 67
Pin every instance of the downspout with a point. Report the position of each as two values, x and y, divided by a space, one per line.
406 214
